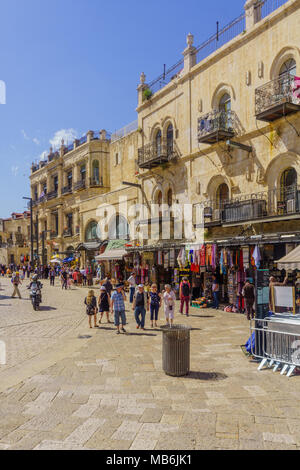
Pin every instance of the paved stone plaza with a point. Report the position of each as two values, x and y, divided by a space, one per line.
66 386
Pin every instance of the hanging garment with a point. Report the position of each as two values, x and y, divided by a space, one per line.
208 255
241 261
257 256
203 256
296 88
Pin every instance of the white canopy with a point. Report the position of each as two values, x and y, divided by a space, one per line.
111 255
291 261
55 260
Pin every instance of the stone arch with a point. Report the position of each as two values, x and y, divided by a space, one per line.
220 91
278 165
165 124
213 185
118 227
158 188
154 130
286 53
89 226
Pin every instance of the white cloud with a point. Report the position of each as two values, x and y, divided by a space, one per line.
14 170
24 134
43 156
36 141
69 135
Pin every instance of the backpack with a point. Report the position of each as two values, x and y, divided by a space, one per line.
185 289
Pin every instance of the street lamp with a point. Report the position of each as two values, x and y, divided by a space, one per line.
31 229
43 245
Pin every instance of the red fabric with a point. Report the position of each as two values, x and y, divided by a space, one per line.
202 255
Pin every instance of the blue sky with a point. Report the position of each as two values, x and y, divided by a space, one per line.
74 65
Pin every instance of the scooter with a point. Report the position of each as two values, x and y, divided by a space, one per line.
36 294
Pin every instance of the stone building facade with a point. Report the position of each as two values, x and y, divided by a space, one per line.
15 239
220 130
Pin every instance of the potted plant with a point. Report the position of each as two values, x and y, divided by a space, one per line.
147 94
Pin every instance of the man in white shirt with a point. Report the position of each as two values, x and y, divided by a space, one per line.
132 286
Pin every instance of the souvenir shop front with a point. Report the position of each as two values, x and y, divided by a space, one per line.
232 264
159 266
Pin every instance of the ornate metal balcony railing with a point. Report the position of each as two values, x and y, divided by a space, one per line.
79 185
262 205
152 155
66 189
277 98
215 126
52 195
98 182
68 233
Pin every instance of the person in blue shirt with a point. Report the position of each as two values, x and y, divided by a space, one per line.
118 307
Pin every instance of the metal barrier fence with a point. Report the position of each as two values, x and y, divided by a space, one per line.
277 342
133 126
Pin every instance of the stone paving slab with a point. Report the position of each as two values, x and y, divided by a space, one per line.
93 389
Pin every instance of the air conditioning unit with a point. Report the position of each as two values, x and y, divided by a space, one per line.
291 206
217 214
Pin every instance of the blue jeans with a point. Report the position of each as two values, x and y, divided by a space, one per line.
154 312
132 291
216 299
118 314
140 311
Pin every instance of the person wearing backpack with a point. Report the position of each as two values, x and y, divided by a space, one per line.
15 282
184 294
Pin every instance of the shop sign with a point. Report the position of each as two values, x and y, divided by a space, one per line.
148 256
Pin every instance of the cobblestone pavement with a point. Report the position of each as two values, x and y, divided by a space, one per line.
69 387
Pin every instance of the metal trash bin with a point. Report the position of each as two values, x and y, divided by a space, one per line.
176 350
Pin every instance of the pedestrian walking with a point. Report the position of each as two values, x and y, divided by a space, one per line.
140 305
118 307
132 286
184 295
108 285
169 304
16 281
104 303
215 292
249 294
155 304
64 279
91 307
52 276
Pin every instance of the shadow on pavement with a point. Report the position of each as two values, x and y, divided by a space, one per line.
203 316
46 308
141 334
110 328
206 376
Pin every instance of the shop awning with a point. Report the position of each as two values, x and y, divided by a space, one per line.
112 255
291 261
89 246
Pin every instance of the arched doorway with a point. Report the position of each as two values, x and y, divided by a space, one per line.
222 196
225 109
92 232
158 143
170 138
288 189
118 228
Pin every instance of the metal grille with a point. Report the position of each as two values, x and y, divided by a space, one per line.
268 6
275 92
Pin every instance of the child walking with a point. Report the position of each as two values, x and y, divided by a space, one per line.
91 308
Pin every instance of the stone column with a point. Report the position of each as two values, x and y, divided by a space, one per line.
253 12
142 86
60 221
90 136
189 54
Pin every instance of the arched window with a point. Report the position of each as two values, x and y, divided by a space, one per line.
158 143
92 232
225 103
222 195
118 228
288 184
96 175
170 197
288 67
170 137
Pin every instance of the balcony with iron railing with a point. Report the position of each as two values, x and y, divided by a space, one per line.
277 98
52 195
216 126
270 205
96 182
79 185
67 189
152 155
68 233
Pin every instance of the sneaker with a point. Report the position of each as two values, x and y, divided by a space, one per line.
137 327
117 332
123 329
